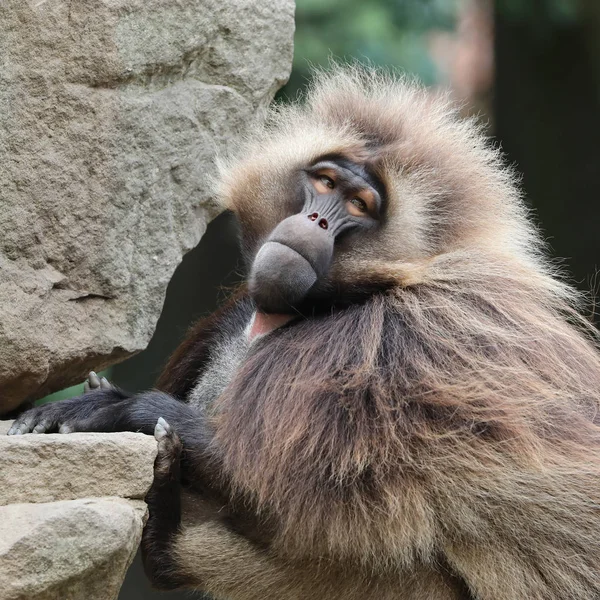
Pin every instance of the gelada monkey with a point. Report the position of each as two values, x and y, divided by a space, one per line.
402 401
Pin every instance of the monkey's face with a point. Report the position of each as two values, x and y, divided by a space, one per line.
335 198
364 187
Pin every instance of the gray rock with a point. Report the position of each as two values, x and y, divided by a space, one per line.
70 550
43 468
111 114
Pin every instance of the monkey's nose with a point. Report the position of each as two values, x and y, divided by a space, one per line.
323 224
308 237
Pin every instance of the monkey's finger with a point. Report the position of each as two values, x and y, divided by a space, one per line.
86 386
169 449
13 430
18 429
43 426
65 428
22 425
105 384
162 429
93 380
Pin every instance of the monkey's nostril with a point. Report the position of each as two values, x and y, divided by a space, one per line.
314 216
323 224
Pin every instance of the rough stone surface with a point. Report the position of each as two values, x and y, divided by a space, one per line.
69 550
111 113
71 512
43 468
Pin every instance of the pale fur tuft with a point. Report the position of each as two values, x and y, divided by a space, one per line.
448 188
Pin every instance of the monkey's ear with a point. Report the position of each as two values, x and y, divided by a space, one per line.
231 179
220 183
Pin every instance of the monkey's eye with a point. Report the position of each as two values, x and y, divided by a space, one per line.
327 181
358 206
323 183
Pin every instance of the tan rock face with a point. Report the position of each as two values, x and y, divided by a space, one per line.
111 114
71 512
43 468
74 549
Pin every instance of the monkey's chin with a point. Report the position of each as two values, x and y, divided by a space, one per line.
280 278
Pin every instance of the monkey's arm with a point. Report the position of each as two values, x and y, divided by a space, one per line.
207 555
214 559
112 410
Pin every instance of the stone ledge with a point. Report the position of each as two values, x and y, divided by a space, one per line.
73 549
71 512
50 467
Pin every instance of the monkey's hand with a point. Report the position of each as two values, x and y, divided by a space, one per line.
94 411
108 409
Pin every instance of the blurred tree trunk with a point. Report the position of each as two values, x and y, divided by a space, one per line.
547 111
591 16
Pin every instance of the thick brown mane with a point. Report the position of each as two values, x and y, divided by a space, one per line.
416 419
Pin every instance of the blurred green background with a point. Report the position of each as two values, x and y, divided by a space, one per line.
529 69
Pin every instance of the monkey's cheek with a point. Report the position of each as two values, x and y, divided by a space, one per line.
280 278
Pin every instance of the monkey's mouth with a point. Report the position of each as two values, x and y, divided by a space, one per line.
263 323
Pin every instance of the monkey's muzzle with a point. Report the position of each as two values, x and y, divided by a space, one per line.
295 256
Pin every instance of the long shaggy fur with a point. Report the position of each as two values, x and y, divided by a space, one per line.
453 415
447 423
